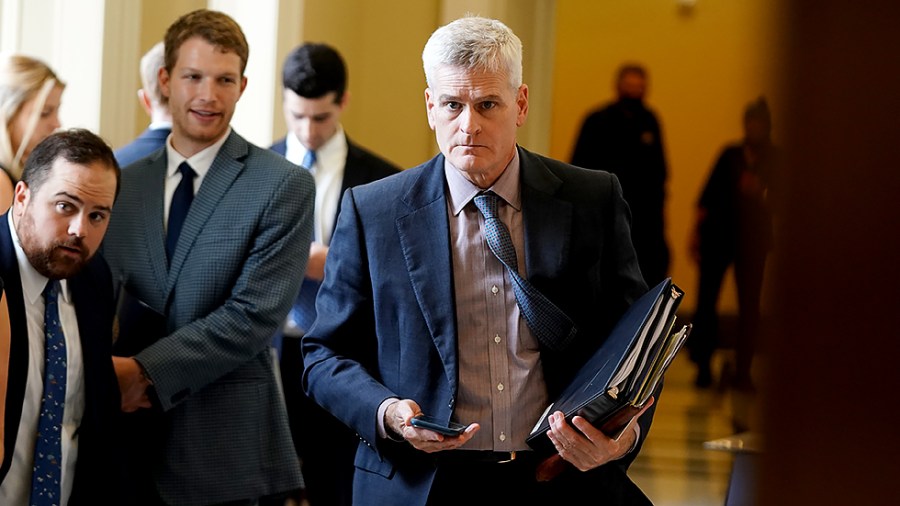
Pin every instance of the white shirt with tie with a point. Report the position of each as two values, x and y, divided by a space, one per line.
328 171
16 487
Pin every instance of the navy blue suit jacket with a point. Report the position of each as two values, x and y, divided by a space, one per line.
92 294
387 321
363 166
146 143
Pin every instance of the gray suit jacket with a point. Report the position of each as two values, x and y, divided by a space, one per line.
236 268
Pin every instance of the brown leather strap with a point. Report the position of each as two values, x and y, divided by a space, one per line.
4 367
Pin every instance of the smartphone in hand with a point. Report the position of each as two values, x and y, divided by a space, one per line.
430 423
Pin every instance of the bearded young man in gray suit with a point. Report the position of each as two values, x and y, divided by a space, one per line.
223 288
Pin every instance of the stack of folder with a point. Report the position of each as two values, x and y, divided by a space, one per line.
620 377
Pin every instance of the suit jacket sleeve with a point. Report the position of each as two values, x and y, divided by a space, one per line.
343 329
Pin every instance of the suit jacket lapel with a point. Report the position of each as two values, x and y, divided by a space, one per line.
5 334
355 173
153 179
18 344
226 167
546 219
425 240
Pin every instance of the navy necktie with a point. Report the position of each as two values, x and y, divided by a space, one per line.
309 159
547 322
45 489
181 202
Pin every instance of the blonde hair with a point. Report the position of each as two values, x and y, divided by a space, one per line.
22 79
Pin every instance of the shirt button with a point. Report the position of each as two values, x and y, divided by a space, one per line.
494 289
500 386
502 437
497 339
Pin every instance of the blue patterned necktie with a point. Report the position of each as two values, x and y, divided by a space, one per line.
547 322
45 489
309 159
181 203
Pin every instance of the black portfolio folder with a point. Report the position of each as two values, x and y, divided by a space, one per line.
616 382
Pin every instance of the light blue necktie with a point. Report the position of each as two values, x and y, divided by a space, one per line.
45 489
309 159
181 203
547 322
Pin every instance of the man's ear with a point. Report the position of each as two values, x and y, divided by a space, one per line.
163 77
144 99
522 104
429 107
21 197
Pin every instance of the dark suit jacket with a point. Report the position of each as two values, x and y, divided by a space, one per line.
236 268
92 293
146 143
363 166
387 323
326 453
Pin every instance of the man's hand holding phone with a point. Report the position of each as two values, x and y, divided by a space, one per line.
452 429
430 435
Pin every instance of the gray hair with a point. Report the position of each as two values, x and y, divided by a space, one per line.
151 62
474 43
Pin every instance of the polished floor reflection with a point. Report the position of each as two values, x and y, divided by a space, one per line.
674 469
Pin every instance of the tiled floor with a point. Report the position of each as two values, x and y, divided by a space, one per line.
674 469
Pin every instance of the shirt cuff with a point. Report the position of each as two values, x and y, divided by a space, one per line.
382 409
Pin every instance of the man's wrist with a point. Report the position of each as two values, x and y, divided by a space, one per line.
143 373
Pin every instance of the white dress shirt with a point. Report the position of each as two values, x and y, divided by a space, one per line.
200 162
329 174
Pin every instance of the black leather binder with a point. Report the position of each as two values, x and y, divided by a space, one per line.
616 382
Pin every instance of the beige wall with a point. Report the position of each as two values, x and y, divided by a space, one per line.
704 65
382 48
156 16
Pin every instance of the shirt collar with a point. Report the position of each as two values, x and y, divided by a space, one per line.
295 151
200 161
33 282
160 125
462 190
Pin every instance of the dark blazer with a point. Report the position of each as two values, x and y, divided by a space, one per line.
92 294
387 323
146 143
236 268
326 453
363 166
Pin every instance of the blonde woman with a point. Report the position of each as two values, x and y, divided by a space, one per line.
30 94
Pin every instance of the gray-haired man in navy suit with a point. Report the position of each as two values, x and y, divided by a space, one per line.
154 103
